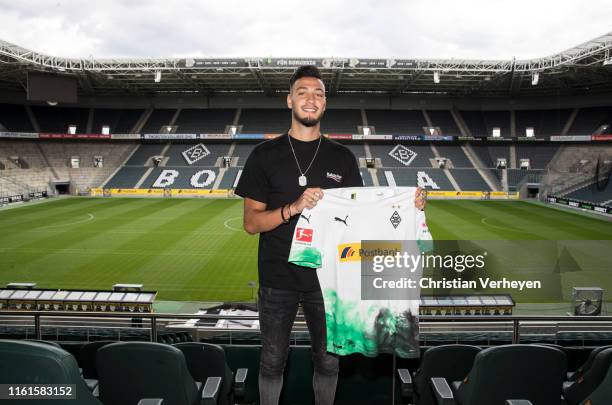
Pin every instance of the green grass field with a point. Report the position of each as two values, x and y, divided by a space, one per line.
195 249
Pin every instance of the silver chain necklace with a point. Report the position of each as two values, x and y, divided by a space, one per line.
302 181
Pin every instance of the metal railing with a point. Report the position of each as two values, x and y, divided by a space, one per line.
512 322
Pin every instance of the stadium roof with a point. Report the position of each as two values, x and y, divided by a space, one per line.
585 68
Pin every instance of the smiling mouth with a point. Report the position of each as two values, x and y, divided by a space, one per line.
309 109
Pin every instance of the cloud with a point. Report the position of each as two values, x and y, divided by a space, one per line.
360 28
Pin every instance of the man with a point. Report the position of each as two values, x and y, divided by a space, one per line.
281 178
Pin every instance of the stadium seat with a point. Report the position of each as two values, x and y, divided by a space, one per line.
603 393
509 372
452 362
207 360
573 376
88 357
577 391
130 371
26 362
45 342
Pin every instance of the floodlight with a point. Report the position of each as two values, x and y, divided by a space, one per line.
158 75
535 78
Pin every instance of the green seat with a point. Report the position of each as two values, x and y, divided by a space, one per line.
24 362
297 384
587 364
129 371
207 360
577 391
603 393
528 372
87 357
246 356
452 362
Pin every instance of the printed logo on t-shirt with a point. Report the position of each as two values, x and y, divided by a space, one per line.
335 177
349 252
395 219
303 235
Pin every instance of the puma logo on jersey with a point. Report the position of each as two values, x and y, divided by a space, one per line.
307 218
335 177
341 220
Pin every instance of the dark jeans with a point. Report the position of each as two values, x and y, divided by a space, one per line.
277 311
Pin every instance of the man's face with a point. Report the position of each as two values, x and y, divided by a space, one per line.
307 101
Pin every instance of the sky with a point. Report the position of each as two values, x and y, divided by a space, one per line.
462 29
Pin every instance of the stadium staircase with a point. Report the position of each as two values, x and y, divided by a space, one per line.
485 173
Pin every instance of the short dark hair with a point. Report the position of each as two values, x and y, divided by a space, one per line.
304 71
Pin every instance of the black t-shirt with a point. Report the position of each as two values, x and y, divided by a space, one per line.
270 176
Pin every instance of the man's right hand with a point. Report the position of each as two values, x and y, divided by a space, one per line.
308 199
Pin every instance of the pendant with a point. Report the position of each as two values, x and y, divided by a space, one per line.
302 180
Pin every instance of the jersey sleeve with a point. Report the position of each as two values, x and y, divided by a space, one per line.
305 244
253 181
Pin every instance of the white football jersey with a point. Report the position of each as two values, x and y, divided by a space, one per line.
330 238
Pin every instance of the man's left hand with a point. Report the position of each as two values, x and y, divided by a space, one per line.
420 198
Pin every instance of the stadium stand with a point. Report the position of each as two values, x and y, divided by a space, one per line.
432 179
229 178
157 119
126 177
341 121
588 120
455 154
357 149
144 153
469 180
544 122
481 123
410 122
176 157
516 176
57 119
28 153
265 121
539 155
119 121
58 155
445 121
211 121
366 177
592 194
242 151
181 177
14 117
489 153
403 155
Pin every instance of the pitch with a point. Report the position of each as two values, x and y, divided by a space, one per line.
196 250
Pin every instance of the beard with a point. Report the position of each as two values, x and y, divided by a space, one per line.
307 122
